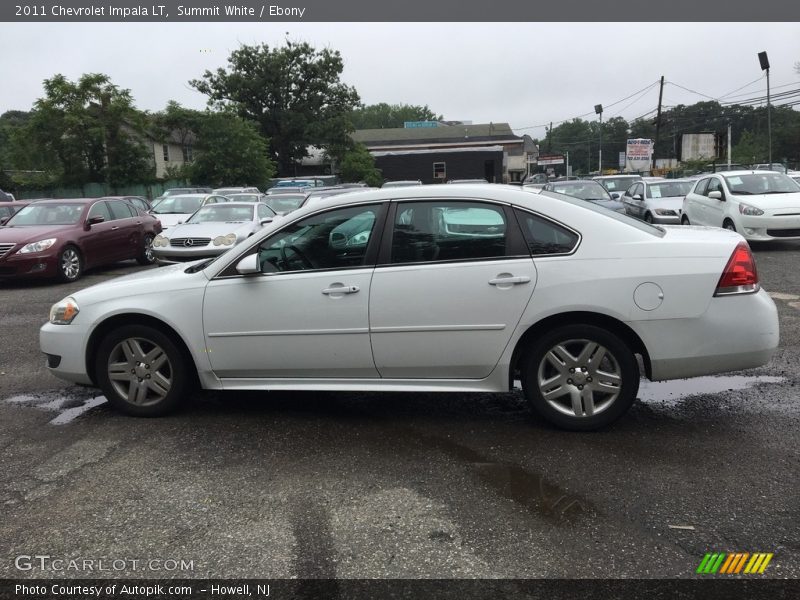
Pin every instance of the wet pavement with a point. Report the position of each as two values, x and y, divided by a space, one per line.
399 485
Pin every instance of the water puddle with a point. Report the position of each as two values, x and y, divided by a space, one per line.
530 490
672 392
68 406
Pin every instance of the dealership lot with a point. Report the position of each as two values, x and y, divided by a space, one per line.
397 485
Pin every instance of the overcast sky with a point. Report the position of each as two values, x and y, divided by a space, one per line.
526 74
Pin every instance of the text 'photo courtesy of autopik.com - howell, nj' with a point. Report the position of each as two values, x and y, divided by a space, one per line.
340 299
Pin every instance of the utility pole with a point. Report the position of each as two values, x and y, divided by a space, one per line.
658 120
550 138
598 110
764 61
729 145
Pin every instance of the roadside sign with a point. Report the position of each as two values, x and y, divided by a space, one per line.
551 159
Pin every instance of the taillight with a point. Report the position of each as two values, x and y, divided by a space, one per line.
740 275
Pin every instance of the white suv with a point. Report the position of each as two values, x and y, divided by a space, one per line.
760 205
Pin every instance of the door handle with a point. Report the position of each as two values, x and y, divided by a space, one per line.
342 289
115 228
510 280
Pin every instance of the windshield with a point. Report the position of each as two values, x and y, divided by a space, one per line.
669 189
761 183
585 190
245 197
618 184
47 214
294 183
178 205
222 213
284 203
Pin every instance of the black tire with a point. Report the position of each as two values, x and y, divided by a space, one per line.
147 384
70 264
648 218
147 257
604 400
685 220
728 224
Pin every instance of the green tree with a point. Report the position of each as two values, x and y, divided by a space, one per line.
293 93
230 151
382 115
750 149
93 129
359 165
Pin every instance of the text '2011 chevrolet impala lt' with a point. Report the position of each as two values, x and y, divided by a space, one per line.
428 288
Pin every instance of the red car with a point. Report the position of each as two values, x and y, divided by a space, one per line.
62 238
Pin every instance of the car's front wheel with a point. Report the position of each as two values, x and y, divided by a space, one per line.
580 377
685 220
70 264
141 371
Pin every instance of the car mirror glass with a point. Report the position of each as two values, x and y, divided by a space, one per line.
248 265
95 220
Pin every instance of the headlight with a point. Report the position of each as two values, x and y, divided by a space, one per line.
225 240
161 241
665 212
750 211
37 246
62 313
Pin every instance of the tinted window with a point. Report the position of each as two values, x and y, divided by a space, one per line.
100 209
430 231
545 237
47 214
335 239
120 210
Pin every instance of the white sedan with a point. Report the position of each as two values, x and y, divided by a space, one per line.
428 288
760 205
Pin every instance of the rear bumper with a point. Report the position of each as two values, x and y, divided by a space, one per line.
736 332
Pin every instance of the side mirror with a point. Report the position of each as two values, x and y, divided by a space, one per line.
4 220
94 221
716 195
637 197
265 221
338 239
248 265
616 195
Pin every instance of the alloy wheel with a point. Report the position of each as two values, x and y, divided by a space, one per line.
579 378
140 371
70 264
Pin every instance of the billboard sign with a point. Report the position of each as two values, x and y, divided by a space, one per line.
638 155
551 159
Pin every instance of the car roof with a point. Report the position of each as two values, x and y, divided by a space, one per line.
231 204
68 200
742 172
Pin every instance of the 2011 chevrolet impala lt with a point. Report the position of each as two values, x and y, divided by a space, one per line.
428 288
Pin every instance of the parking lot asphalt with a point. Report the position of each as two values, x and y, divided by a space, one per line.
358 485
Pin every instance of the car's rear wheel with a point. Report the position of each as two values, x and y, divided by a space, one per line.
141 371
70 264
146 257
580 377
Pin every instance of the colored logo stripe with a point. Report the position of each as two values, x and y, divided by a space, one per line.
734 562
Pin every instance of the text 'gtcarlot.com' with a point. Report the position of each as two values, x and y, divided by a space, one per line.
43 562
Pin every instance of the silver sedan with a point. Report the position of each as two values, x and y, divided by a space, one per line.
657 201
212 230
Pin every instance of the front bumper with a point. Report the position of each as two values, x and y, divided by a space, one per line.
35 264
65 348
770 227
172 255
